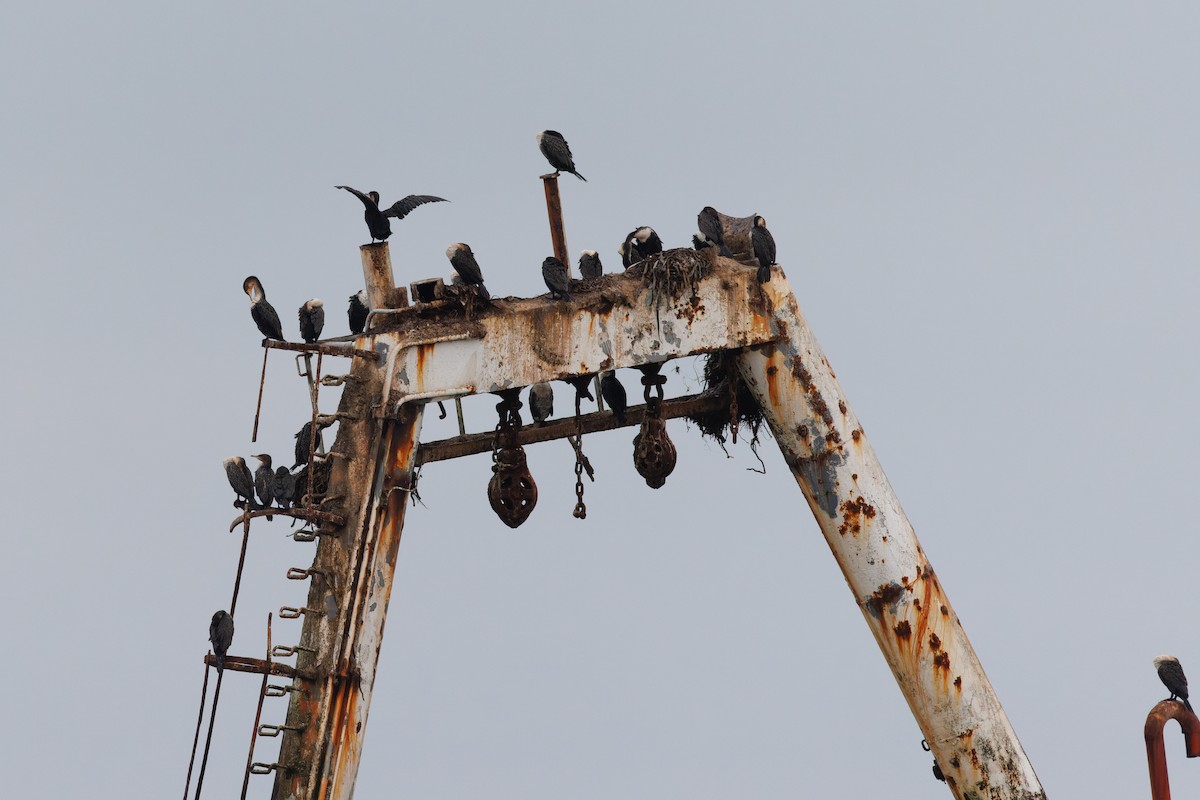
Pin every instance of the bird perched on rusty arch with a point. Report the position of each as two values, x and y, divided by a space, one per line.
1171 674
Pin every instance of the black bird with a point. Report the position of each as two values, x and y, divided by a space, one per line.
377 221
554 147
285 488
464 263
589 265
712 233
241 480
638 245
263 312
220 633
554 272
358 311
305 442
264 482
541 402
764 248
1171 674
312 320
614 394
316 482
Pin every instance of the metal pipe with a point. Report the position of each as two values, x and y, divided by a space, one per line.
377 275
558 235
873 542
1156 749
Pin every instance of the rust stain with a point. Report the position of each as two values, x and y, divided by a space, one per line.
903 630
856 435
815 400
888 595
935 643
773 382
802 431
958 684
842 407
855 514
423 353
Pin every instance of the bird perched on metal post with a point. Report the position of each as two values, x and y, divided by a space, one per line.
264 482
377 220
764 248
556 150
613 393
358 311
312 320
1171 674
263 312
220 633
712 233
554 272
589 265
541 402
241 480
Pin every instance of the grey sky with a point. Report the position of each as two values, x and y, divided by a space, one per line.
988 216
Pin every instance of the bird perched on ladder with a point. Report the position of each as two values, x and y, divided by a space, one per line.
1171 674
614 394
764 248
263 312
556 150
554 272
377 220
285 488
541 402
466 268
241 480
220 633
712 233
589 265
312 320
358 311
639 244
264 482
305 444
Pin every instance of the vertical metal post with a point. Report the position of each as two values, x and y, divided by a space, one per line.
893 583
1156 749
558 235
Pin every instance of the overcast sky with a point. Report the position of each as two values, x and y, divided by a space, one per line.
988 216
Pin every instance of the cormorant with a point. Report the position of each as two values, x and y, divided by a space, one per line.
614 394
464 263
304 441
712 233
541 402
358 311
554 147
764 248
220 633
240 479
263 312
312 320
317 481
638 245
1171 674
554 272
264 482
377 221
285 488
589 265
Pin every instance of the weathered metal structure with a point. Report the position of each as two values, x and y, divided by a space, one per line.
1156 747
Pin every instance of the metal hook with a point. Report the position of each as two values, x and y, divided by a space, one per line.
276 690
298 574
284 651
274 730
259 768
290 612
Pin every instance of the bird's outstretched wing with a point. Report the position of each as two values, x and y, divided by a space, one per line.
400 208
366 201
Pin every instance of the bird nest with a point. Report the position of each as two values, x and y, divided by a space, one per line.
668 273
721 377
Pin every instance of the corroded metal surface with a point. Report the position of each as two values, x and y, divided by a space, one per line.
1156 748
875 546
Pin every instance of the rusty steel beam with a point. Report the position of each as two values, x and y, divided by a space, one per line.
1156 748
255 665
324 348
558 234
873 542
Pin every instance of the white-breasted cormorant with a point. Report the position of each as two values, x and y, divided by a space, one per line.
541 402
263 312
240 479
554 147
220 633
1171 674
639 244
358 311
464 263
285 488
312 320
554 272
764 248
264 481
712 233
589 265
377 220
614 394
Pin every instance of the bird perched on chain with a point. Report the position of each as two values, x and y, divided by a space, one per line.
613 393
264 482
712 233
285 488
220 633
589 265
305 443
1171 674
556 150
241 480
378 221
554 272
312 320
263 312
358 311
639 244
541 402
764 248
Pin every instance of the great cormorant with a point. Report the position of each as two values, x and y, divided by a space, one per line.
312 320
263 312
541 402
764 248
358 311
614 394
304 441
712 233
264 481
220 633
241 480
1171 674
554 272
377 220
285 488
464 263
639 244
554 147
589 265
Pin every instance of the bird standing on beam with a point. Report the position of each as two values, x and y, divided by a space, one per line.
589 265
285 488
312 320
1171 674
358 311
305 442
261 311
220 633
764 248
264 482
712 233
554 273
377 221
241 480
613 393
541 402
556 150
